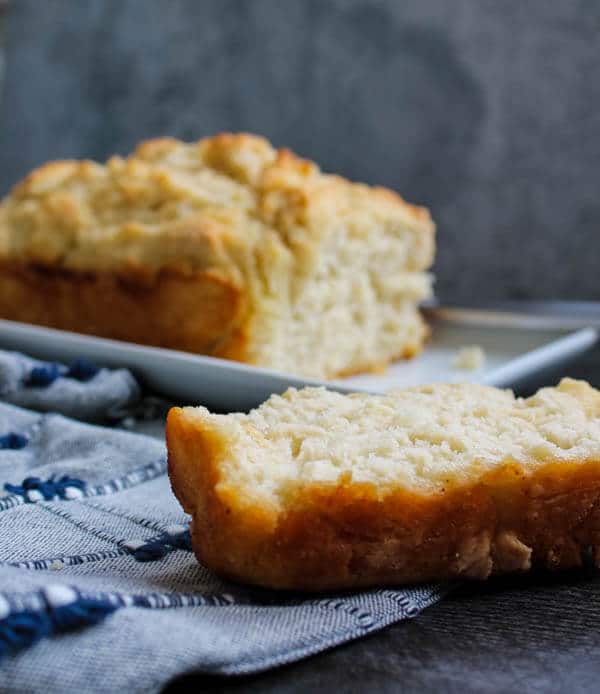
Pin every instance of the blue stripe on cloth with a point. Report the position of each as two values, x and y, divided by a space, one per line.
13 441
82 369
34 489
60 561
27 618
45 373
158 547
145 473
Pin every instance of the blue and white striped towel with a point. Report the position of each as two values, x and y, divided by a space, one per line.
99 589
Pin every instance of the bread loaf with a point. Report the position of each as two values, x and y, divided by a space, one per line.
318 490
226 247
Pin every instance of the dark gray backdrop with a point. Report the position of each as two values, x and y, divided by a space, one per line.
487 111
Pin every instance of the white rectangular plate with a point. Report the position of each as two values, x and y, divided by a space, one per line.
512 354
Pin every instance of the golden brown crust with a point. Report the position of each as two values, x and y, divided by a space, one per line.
348 536
204 312
53 173
228 183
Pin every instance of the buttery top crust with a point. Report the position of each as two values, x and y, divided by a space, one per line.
190 207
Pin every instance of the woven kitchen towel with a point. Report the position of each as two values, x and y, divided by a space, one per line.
99 589
79 390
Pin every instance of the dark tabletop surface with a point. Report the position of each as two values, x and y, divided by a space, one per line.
538 633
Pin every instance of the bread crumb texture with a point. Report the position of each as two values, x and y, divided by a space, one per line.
315 263
469 476
422 439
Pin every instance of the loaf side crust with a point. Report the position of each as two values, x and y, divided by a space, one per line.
352 535
203 312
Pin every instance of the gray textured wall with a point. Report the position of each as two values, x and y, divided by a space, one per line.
486 111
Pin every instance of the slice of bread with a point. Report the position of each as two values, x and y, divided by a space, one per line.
318 490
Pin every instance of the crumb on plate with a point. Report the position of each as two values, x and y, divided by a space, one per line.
469 358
